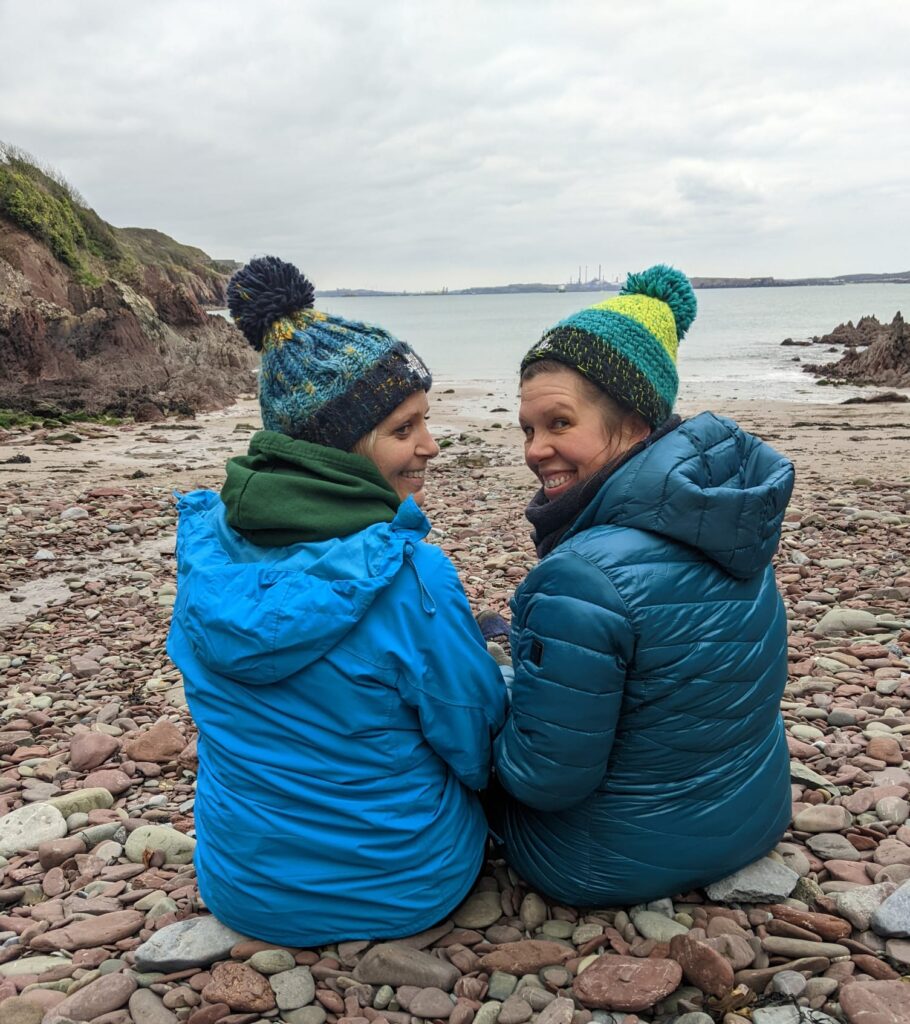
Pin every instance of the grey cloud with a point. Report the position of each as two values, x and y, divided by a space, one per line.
408 144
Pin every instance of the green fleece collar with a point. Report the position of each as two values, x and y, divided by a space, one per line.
285 492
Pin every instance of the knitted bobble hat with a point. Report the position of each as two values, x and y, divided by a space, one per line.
323 379
627 345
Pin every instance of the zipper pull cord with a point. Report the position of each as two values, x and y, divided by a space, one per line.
426 598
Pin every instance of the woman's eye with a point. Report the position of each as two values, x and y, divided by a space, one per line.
528 432
403 430
560 424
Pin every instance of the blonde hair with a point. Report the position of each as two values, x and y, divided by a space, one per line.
364 446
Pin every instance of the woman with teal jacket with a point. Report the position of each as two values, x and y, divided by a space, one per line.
345 701
644 752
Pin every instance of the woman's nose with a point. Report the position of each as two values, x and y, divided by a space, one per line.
537 449
426 444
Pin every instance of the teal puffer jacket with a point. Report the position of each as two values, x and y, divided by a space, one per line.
645 750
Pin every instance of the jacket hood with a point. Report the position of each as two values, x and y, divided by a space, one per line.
259 614
286 491
707 484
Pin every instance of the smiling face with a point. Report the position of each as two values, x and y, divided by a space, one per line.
569 429
401 446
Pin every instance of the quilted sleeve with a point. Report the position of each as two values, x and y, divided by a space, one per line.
453 684
571 642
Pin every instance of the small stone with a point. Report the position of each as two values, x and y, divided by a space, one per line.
585 932
307 1015
832 846
29 826
394 963
431 1003
37 965
822 818
293 988
147 1008
893 809
82 800
196 942
88 750
159 744
479 910
845 622
92 931
789 983
557 929
782 945
657 926
273 961
704 967
764 881
501 985
555 977
17 1010
103 995
891 918
177 847
384 995
526 957
533 911
626 983
112 779
515 1010
875 1002
558 1011
488 1012
858 905
240 987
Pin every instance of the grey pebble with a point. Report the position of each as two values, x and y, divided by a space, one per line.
294 988
501 985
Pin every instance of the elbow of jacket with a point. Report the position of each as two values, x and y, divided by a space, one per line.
537 798
475 779
556 793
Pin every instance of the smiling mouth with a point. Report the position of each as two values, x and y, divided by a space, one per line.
555 480
413 474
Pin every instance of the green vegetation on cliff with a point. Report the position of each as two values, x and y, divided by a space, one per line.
39 201
154 248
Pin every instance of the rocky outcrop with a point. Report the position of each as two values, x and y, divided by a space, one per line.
142 346
876 353
867 330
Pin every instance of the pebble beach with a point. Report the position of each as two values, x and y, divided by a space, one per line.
100 917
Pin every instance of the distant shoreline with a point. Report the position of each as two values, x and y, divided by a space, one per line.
610 286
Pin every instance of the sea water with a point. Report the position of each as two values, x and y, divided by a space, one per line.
732 351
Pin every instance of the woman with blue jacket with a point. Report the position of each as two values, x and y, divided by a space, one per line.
345 701
644 752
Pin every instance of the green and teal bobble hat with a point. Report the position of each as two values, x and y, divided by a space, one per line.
627 345
323 379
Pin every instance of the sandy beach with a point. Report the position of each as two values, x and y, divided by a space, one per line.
92 721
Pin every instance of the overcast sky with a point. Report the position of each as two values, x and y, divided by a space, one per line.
416 144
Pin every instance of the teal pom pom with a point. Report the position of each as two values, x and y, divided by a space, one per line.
669 285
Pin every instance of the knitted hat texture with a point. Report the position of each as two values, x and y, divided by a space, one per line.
323 379
627 345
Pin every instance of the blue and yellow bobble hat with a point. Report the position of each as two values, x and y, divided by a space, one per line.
627 346
323 379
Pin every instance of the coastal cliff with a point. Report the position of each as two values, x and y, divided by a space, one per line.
874 353
100 319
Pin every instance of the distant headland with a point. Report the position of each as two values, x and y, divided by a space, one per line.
597 285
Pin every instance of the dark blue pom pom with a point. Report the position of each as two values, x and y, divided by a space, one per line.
262 292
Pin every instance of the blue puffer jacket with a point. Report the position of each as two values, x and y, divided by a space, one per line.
645 747
346 708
